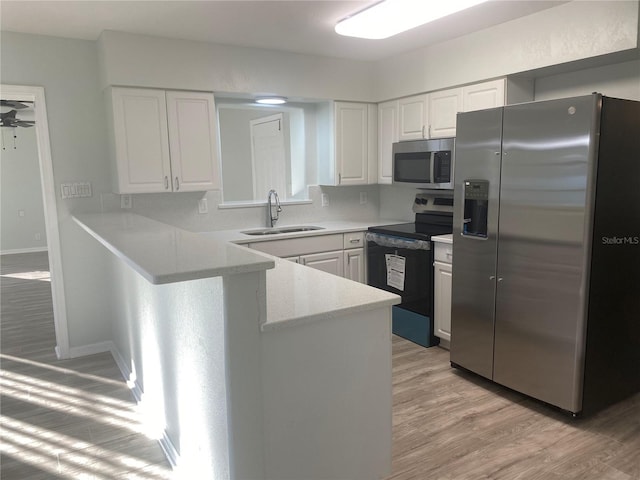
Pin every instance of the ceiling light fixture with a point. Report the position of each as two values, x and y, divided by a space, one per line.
390 17
271 100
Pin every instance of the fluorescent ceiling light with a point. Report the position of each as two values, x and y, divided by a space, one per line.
391 17
271 100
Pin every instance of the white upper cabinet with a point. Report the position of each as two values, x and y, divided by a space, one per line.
387 136
413 117
352 154
483 95
162 141
139 134
443 109
192 141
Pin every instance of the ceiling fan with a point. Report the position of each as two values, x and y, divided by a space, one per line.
8 119
16 104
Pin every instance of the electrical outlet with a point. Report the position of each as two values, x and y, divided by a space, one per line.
363 198
202 206
325 200
126 201
21 213
37 237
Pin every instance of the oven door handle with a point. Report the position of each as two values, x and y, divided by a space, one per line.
397 242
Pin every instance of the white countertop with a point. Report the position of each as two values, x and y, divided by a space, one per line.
446 238
162 253
297 294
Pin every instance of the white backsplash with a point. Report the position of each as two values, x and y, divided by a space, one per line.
181 209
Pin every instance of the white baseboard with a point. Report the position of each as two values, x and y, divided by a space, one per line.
92 349
23 250
165 442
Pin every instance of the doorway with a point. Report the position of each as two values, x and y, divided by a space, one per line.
36 96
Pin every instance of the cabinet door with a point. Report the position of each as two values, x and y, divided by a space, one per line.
413 117
442 300
354 264
192 141
351 130
140 138
443 109
387 136
483 95
331 262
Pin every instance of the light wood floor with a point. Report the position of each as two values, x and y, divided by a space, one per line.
61 419
77 419
452 425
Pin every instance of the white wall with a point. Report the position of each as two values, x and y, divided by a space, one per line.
68 71
138 60
621 80
570 32
21 191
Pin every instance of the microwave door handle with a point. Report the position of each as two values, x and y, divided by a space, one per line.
433 161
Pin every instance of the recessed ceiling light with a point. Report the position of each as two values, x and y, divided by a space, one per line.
271 100
390 17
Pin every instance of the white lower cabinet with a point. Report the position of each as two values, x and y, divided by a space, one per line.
339 254
330 262
442 276
354 264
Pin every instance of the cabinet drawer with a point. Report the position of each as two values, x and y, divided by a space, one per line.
443 252
353 240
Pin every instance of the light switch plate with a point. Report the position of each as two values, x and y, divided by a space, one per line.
363 198
202 206
325 200
76 190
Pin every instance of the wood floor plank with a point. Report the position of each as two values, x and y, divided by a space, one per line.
448 424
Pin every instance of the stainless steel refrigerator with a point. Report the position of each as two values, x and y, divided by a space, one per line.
546 249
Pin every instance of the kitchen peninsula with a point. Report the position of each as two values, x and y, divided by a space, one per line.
248 366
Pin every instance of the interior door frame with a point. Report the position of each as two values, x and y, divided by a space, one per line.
36 95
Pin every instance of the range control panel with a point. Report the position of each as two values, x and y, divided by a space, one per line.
433 202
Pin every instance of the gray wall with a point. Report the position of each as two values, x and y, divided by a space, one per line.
21 191
68 71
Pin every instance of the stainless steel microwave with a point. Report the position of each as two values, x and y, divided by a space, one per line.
424 163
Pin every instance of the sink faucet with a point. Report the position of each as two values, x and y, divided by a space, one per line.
272 219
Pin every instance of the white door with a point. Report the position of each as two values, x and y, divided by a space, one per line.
442 300
443 110
413 117
354 264
351 143
141 140
387 136
331 262
268 156
193 141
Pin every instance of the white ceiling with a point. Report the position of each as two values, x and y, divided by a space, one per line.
302 26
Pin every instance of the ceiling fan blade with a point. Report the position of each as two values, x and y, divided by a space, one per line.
15 104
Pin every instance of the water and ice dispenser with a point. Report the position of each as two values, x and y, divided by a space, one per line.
476 202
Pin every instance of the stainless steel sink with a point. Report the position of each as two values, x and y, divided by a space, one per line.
275 230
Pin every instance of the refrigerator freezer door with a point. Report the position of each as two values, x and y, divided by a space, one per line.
545 202
478 148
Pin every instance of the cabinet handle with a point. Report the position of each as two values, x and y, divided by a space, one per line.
166 182
177 184
500 279
354 240
339 178
423 131
492 277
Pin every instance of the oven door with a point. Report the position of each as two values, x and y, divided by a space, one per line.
403 266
